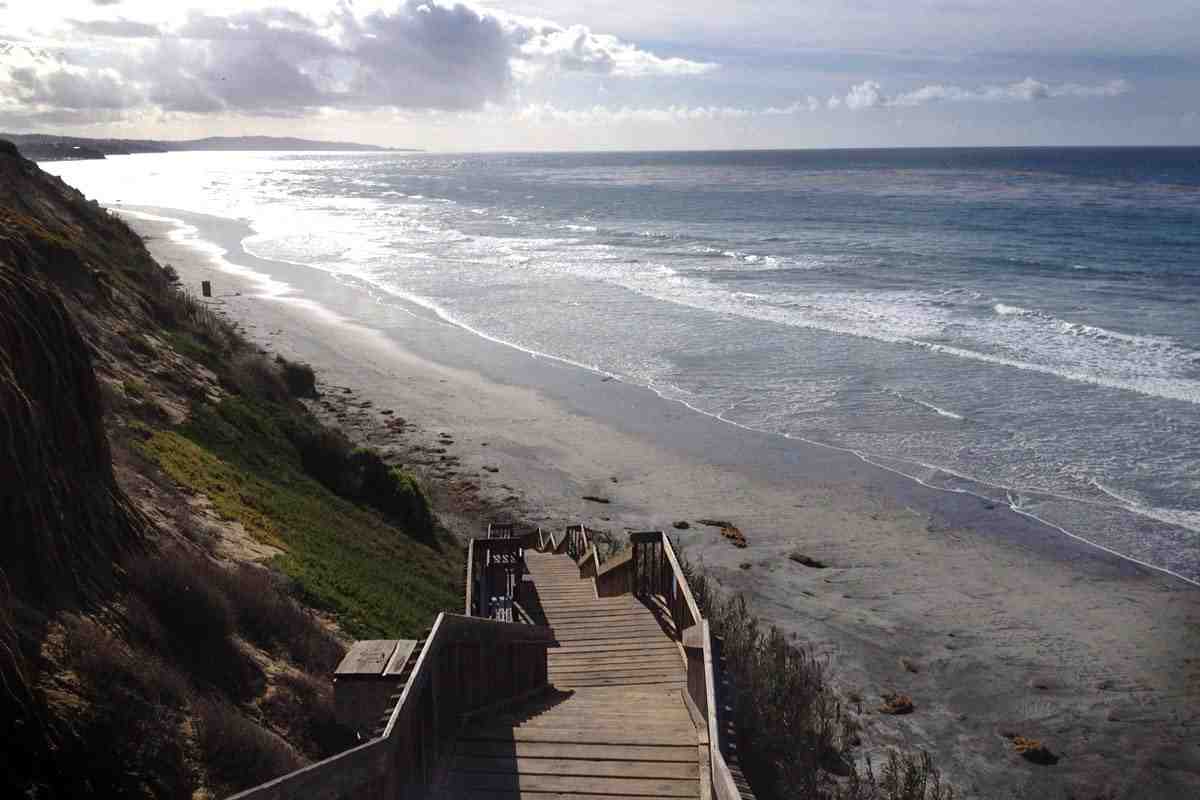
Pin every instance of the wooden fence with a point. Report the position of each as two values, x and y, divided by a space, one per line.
467 666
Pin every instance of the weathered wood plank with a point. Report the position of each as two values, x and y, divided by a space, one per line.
653 787
404 651
567 750
584 683
368 657
664 658
579 767
478 794
616 647
608 717
559 675
583 734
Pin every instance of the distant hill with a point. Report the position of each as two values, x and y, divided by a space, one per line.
47 147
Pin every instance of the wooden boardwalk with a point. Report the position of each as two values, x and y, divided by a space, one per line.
614 725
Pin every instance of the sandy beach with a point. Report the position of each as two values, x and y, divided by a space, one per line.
992 622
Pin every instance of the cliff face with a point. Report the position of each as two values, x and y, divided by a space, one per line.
150 460
68 518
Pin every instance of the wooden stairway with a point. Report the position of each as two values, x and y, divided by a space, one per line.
615 726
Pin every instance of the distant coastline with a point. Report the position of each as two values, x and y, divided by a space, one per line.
49 147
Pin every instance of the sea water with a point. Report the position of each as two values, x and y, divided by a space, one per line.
1023 324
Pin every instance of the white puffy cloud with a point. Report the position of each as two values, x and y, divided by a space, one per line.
416 54
599 116
578 49
869 94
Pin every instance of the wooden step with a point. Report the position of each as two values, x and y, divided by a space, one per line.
477 794
560 672
583 734
626 621
631 649
675 715
649 787
592 637
567 750
575 682
668 661
580 768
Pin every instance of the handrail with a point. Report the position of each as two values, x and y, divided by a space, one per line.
657 578
494 570
404 760
469 592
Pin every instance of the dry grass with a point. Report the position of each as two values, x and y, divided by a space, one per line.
275 622
793 737
237 752
904 777
788 720
301 708
123 717
197 621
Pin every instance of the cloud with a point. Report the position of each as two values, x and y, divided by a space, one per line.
106 2
598 116
117 28
869 94
426 55
37 81
417 54
577 49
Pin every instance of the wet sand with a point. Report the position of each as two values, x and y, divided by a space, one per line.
993 623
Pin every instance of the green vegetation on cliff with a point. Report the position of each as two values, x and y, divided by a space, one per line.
344 558
173 517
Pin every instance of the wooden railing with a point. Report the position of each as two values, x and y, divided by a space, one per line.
582 550
651 571
494 570
467 667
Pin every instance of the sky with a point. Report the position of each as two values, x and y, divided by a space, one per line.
617 74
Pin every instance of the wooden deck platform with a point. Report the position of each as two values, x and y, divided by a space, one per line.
615 724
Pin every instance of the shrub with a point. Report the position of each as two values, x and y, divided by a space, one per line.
904 777
302 707
123 730
237 752
196 617
363 476
253 375
299 378
394 492
323 453
792 734
786 716
275 622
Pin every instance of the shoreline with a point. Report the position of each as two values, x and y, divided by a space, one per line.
912 564
985 492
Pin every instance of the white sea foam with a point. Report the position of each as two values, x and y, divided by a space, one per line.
415 248
942 412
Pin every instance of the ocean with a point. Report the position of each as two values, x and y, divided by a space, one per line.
1021 324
